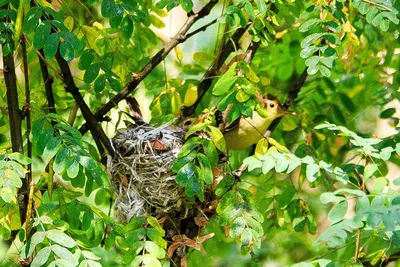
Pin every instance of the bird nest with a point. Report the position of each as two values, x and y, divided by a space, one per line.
141 170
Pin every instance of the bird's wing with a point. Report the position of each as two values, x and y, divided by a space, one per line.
231 126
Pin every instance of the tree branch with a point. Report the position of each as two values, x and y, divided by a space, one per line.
93 125
15 117
180 37
48 82
205 84
27 114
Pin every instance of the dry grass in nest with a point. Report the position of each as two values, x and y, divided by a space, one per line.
141 170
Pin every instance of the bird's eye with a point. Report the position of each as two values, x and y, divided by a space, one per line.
272 105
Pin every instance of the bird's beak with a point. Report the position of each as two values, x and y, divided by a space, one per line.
284 111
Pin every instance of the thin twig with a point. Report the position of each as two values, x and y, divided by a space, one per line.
376 4
357 250
205 84
201 29
180 37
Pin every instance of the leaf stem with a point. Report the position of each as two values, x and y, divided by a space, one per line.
376 4
357 250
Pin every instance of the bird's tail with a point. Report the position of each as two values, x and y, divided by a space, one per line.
134 110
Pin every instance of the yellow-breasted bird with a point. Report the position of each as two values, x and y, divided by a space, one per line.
245 132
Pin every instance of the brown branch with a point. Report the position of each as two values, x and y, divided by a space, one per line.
27 113
205 84
201 29
97 131
48 82
180 37
15 117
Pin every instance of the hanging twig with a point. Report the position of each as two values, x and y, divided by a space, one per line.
180 37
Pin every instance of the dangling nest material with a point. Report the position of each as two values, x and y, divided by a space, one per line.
141 169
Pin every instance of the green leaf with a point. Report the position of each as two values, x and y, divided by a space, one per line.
195 128
377 20
210 152
324 71
60 238
362 204
182 161
51 148
86 59
388 113
73 167
309 24
311 39
338 211
217 137
386 153
6 194
379 186
237 227
224 185
329 197
117 16
252 163
19 158
51 45
312 171
206 173
189 146
31 244
91 73
100 83
31 19
87 162
127 27
156 237
107 8
72 39
154 249
369 170
246 237
41 257
308 51
187 5
60 160
114 83
261 5
154 223
341 175
44 137
225 83
67 51
185 174
42 33
64 254
150 260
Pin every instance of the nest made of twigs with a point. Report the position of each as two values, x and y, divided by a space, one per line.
141 169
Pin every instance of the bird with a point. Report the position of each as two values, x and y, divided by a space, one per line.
245 132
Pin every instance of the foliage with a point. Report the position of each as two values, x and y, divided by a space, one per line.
319 188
